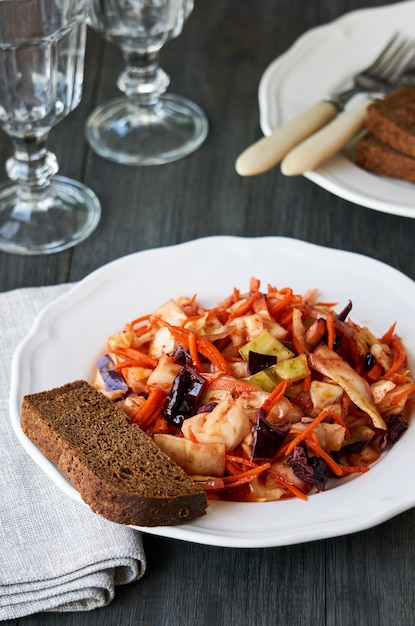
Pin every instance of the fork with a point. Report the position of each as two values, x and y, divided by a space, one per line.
323 144
269 151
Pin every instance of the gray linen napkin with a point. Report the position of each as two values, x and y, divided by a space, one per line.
56 555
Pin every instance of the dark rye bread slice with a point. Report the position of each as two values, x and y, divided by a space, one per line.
116 467
379 158
392 120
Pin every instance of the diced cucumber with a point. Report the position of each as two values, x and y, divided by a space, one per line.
265 343
292 369
265 379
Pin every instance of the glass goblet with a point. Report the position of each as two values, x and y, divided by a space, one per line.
146 126
42 45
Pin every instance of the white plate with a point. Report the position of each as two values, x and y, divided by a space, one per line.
69 333
321 62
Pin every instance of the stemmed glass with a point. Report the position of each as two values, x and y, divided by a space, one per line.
146 126
42 45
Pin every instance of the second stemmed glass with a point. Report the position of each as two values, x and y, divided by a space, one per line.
147 126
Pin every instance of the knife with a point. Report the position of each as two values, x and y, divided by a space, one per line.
323 144
269 151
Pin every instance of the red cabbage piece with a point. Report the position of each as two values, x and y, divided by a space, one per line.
182 356
396 426
342 317
207 408
268 438
258 362
345 312
356 447
113 379
184 395
310 469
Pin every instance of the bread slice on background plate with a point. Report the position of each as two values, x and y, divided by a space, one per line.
116 467
392 120
379 158
388 147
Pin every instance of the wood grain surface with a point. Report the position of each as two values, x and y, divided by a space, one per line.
363 579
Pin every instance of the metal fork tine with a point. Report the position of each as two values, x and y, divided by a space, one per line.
393 69
387 53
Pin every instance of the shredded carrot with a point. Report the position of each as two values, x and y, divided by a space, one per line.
245 476
235 359
283 302
375 372
338 468
246 306
136 355
352 469
326 305
230 482
192 436
210 351
180 334
239 461
261 305
307 383
399 357
402 395
298 332
298 345
313 443
231 467
233 385
285 319
130 363
137 322
236 295
331 333
285 483
161 425
254 284
204 346
149 410
193 318
193 352
388 335
192 300
275 396
402 377
304 433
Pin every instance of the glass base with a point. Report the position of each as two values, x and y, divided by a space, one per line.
132 135
65 216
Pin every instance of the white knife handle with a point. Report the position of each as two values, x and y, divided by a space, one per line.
326 142
268 151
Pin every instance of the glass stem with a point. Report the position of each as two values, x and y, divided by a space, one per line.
143 81
31 167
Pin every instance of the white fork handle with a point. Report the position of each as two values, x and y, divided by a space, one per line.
326 142
268 151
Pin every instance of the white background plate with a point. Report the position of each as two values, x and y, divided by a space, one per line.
322 61
70 332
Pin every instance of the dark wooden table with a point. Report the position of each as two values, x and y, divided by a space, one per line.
360 579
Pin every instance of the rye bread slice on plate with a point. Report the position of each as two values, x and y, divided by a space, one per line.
377 157
392 120
116 467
